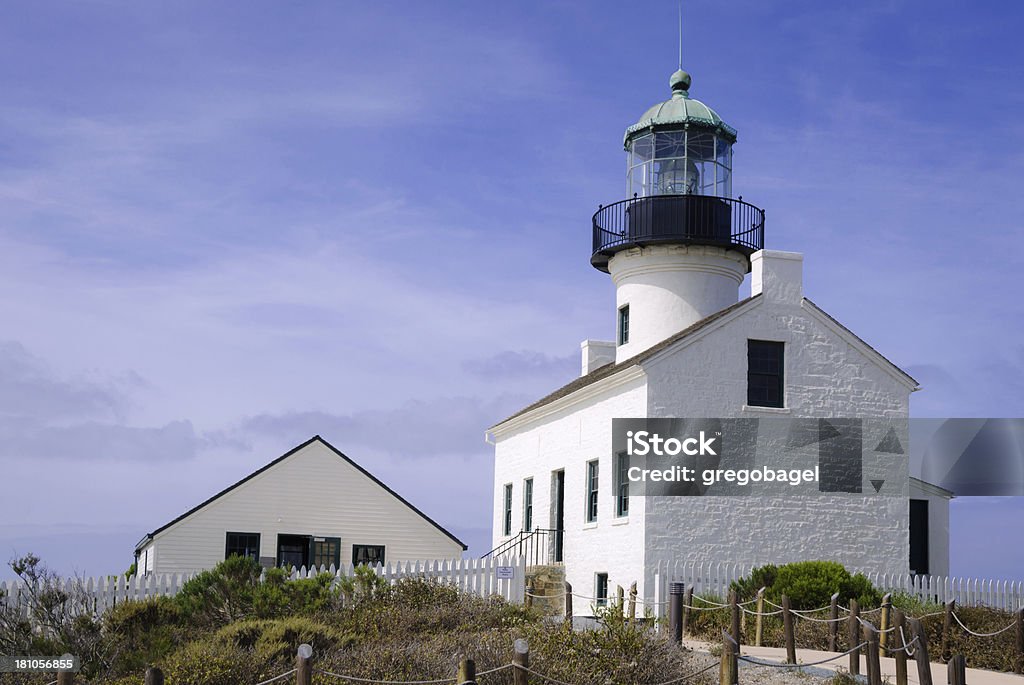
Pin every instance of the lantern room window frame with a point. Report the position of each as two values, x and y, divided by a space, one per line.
669 163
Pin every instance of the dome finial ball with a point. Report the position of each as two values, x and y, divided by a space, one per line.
680 81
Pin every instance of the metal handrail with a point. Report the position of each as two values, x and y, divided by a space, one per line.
531 544
687 219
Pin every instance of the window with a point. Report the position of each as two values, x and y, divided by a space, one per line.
601 589
368 554
326 551
919 536
528 504
506 524
765 363
591 513
622 485
624 325
242 545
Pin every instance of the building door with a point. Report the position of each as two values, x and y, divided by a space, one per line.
919 536
293 550
558 512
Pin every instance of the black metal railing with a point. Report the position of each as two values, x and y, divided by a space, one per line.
687 219
538 546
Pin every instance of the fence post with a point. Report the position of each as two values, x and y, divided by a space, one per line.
632 601
924 668
874 663
521 660
467 672
900 654
883 625
833 627
734 626
947 625
1020 640
65 678
758 628
727 670
787 629
620 599
568 602
529 595
154 676
687 603
304 665
676 615
853 632
956 670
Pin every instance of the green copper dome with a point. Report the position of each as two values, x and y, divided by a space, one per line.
681 111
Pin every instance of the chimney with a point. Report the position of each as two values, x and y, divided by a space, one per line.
596 353
777 276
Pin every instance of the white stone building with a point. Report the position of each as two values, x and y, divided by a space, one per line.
310 506
688 346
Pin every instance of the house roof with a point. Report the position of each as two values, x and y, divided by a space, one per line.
611 369
295 450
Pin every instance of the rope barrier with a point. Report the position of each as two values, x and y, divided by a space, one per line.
813 663
904 648
1003 630
689 675
873 629
762 613
277 677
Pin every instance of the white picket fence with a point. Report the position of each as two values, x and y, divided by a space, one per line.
475 576
714 578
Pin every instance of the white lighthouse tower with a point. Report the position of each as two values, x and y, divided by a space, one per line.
677 249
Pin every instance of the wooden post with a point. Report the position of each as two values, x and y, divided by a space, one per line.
874 663
833 627
520 659
676 614
154 676
787 629
924 668
758 628
727 670
467 672
947 626
632 601
853 633
734 627
65 678
529 594
956 670
899 622
1020 640
568 602
304 665
687 603
883 625
620 599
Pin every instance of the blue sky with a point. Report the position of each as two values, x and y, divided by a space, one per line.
225 227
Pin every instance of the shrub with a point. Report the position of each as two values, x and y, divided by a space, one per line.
143 632
278 596
223 594
808 584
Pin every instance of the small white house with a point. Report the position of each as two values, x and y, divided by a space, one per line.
677 250
310 506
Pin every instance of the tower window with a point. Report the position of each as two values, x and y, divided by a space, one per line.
601 589
622 484
624 324
765 364
592 473
528 504
506 524
919 536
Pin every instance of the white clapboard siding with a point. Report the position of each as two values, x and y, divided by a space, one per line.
477 576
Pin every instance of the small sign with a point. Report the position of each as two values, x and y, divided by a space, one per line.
505 572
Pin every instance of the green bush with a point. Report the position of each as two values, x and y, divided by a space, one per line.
143 632
808 584
221 595
276 641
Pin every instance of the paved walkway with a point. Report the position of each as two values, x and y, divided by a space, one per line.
975 676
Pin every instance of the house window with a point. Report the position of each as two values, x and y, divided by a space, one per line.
506 524
368 554
624 324
242 545
765 363
528 504
326 551
622 484
919 536
591 513
601 589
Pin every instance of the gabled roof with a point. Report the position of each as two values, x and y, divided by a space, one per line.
611 369
295 450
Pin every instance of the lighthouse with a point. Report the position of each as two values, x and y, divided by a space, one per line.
678 246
